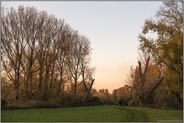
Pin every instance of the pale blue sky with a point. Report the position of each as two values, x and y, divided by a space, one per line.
112 28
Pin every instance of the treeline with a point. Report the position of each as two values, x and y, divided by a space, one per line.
43 58
157 80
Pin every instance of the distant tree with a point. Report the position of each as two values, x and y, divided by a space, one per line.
105 96
122 95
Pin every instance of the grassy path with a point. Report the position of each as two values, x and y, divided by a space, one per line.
135 115
91 113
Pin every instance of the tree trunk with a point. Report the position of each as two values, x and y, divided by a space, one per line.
75 85
141 84
150 95
51 79
16 90
29 82
60 83
87 96
17 79
40 86
45 87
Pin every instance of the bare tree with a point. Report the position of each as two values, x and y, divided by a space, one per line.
75 59
32 35
13 44
87 80
41 50
142 75
51 52
64 47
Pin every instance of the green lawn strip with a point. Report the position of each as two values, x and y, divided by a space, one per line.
90 114
155 115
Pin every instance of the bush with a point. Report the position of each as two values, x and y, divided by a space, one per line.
94 99
16 104
31 104
3 102
131 103
43 104
169 101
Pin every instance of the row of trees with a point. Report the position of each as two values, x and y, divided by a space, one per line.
158 78
42 56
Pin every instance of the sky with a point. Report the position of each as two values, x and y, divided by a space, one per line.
111 27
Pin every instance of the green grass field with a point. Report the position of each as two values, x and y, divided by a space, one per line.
91 113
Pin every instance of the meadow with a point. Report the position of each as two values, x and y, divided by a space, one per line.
104 113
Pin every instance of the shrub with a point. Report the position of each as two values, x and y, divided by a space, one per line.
3 102
31 104
43 104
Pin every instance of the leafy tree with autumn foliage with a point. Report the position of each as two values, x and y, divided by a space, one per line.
167 47
158 77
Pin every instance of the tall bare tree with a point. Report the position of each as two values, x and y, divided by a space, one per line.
13 44
87 80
